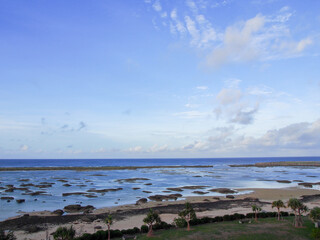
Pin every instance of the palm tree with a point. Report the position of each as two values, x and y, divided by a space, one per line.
255 210
150 219
278 204
298 207
109 222
187 214
63 233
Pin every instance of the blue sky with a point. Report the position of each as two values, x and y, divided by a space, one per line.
159 78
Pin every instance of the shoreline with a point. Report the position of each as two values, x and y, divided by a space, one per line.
5 169
131 215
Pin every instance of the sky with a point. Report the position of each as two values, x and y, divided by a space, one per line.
159 78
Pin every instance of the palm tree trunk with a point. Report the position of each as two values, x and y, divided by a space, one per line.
256 216
278 214
150 233
108 232
188 228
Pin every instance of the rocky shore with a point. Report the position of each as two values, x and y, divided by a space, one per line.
96 168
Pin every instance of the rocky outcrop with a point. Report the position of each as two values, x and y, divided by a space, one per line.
77 208
222 190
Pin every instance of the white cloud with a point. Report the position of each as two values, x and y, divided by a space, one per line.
157 6
202 87
245 116
192 114
164 15
193 31
238 43
303 44
134 149
24 147
189 105
229 96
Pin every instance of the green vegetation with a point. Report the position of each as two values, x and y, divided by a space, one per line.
151 218
188 214
63 233
265 229
109 222
315 214
256 210
298 207
278 204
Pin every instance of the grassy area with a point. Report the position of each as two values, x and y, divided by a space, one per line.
265 229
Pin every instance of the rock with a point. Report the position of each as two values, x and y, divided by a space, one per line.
146 191
230 196
132 180
27 185
159 198
7 198
73 193
136 188
97 227
222 190
77 208
43 185
175 189
194 187
90 196
58 212
24 180
148 184
283 181
37 193
200 192
67 185
141 201
308 185
62 180
105 190
32 228
216 198
20 200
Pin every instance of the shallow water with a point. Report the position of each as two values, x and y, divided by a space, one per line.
220 175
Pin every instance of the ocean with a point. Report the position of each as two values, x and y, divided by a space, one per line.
53 184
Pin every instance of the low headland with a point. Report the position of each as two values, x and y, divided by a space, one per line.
280 164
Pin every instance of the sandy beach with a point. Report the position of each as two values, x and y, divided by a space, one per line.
127 216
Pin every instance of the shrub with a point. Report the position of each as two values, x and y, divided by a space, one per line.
315 233
180 222
144 229
218 219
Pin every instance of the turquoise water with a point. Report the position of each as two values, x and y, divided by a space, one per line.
220 175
